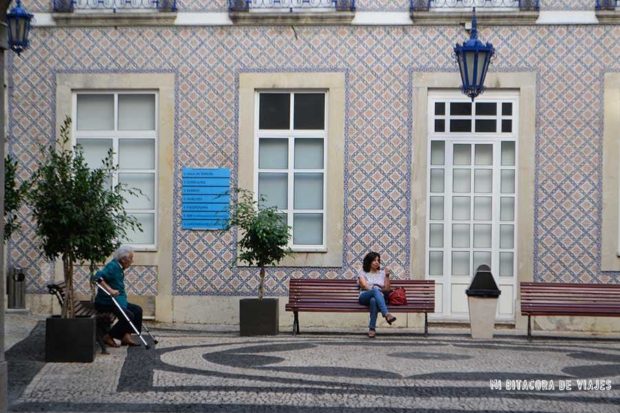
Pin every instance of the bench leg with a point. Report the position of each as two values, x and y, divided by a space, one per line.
529 327
425 324
295 323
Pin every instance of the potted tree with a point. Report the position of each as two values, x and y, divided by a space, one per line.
263 241
78 218
13 195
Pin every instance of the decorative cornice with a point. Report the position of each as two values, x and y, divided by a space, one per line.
287 19
488 18
103 19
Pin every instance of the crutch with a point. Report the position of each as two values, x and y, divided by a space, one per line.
124 315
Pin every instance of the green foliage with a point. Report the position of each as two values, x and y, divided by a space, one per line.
78 216
13 196
264 234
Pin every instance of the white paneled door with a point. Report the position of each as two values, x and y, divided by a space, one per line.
472 181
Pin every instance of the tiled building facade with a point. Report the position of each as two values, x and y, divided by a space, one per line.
560 76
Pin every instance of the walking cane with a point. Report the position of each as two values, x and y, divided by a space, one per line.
124 315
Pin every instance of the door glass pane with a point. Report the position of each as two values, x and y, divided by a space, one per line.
508 181
481 257
460 235
308 191
309 153
482 235
95 150
136 112
435 263
506 125
486 125
506 108
147 236
437 180
462 154
95 112
460 125
460 263
144 183
482 208
440 125
508 154
484 155
461 209
436 235
436 207
440 108
308 229
273 153
483 181
460 108
486 108
273 187
309 111
462 180
274 111
506 264
136 153
437 152
507 209
506 236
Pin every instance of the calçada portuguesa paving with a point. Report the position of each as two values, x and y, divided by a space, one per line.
218 371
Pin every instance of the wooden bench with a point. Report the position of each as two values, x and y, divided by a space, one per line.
564 299
104 320
341 296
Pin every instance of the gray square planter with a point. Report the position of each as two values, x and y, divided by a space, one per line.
70 339
258 317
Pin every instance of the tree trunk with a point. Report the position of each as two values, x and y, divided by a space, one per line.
67 265
261 284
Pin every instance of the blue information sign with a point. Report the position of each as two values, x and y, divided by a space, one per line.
205 200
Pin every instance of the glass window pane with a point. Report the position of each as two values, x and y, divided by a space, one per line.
486 108
136 112
136 153
460 108
309 153
506 264
436 207
95 112
435 263
95 150
462 180
482 236
460 125
506 236
308 229
506 108
437 152
486 125
507 209
462 154
460 263
482 208
274 111
309 111
273 153
142 182
484 154
483 180
480 258
308 191
508 181
440 108
436 236
508 154
437 180
274 188
440 125
147 236
507 125
461 208
460 235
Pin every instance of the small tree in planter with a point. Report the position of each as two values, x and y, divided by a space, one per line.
263 242
13 196
78 216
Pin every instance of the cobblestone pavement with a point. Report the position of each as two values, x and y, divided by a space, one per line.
194 371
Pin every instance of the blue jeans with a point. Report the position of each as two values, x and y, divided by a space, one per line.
375 300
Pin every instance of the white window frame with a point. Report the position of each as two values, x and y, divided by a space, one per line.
291 134
115 136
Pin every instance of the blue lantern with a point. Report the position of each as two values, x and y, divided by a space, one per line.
18 20
473 58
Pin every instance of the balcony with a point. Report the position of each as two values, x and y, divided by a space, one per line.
609 5
114 12
607 11
285 12
506 12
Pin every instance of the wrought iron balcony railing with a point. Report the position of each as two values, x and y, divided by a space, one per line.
290 5
69 6
606 4
447 5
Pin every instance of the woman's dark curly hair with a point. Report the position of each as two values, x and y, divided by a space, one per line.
369 258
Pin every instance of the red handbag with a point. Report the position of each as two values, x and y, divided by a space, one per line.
398 296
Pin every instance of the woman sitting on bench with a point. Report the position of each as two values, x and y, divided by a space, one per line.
374 285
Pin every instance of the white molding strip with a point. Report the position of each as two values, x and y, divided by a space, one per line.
386 18
567 17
